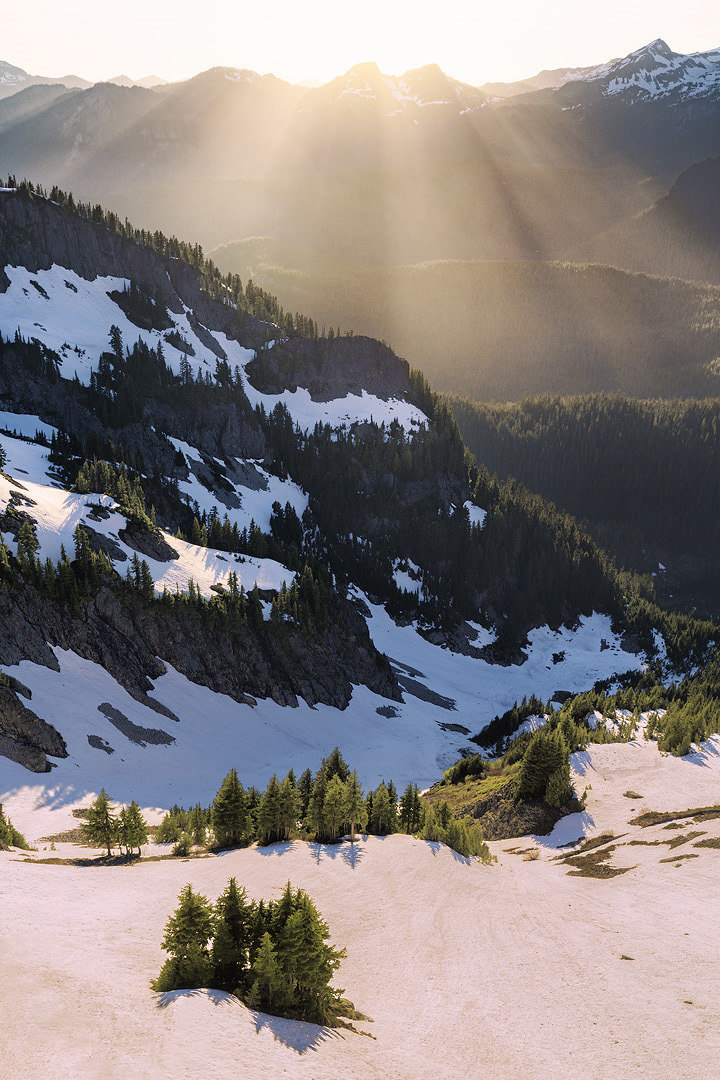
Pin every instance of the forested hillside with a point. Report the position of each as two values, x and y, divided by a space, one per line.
502 330
642 476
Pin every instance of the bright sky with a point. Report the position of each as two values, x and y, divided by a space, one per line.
474 40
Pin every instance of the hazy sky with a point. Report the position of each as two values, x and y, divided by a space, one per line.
473 40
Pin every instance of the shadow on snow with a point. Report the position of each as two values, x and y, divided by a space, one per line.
297 1035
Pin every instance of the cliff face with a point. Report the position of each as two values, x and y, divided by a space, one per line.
331 369
128 640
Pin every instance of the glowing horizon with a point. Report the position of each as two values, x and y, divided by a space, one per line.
474 41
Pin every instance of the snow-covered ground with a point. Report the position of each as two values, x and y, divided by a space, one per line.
513 971
255 503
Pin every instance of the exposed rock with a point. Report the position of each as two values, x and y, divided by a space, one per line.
24 737
331 369
128 639
105 544
424 693
503 817
141 736
98 743
152 544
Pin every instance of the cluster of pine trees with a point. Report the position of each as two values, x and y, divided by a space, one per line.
126 830
324 807
273 955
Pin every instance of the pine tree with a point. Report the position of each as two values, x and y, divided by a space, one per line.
354 805
132 828
100 829
334 807
289 806
229 816
406 808
305 788
233 936
269 988
187 935
268 815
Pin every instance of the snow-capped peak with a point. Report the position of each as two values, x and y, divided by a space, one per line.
11 76
655 71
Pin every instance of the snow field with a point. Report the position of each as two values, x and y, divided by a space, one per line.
255 504
411 741
465 970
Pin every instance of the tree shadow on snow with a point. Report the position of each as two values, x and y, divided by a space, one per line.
351 854
703 755
295 1034
217 997
436 846
281 848
581 762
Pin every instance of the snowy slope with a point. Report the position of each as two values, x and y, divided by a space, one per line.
446 696
73 316
618 977
57 513
255 502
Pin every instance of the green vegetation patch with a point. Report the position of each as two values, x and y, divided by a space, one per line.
655 817
709 842
592 860
685 838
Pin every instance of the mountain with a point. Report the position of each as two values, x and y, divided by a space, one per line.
677 236
211 510
14 79
653 72
149 82
353 183
544 80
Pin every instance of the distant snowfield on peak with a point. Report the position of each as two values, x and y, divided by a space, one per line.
655 71
73 316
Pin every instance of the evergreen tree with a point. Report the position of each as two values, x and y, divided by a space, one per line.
289 806
233 937
354 805
305 789
131 828
187 936
229 815
269 988
334 806
269 813
100 829
406 808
